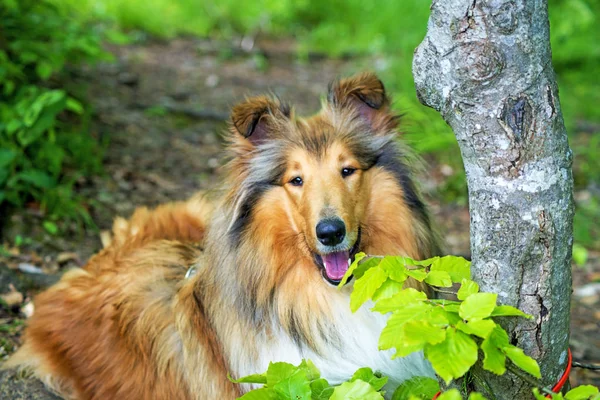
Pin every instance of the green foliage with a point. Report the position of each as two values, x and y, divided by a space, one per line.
42 127
304 382
575 56
451 334
452 394
420 387
584 392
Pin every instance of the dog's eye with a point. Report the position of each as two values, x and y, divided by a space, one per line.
297 181
347 171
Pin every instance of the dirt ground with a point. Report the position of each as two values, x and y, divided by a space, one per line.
163 107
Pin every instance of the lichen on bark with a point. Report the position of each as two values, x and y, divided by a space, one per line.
486 67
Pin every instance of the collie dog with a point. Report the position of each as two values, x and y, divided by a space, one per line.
192 291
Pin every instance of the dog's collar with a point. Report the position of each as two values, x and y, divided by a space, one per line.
190 272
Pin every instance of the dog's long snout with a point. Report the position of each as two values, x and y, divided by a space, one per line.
331 232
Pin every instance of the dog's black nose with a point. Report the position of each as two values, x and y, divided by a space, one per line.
331 232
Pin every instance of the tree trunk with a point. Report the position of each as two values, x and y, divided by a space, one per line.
486 67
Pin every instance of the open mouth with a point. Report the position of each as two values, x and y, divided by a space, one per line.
334 265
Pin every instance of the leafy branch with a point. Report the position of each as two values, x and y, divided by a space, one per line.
449 332
445 330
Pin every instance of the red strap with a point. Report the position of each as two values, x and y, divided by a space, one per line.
565 376
556 388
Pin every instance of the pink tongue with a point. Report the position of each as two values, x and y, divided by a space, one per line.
336 264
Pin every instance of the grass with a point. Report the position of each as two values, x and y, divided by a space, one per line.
389 31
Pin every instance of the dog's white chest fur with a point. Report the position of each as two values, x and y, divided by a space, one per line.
359 333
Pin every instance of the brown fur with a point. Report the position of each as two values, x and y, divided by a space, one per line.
129 326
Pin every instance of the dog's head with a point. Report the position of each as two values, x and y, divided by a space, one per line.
317 190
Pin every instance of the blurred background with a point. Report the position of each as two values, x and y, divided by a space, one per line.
106 105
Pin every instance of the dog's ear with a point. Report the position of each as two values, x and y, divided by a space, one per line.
366 94
256 119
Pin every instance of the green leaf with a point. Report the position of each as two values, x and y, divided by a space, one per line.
393 333
523 361
9 88
421 332
50 156
583 392
12 126
420 386
439 278
453 357
452 394
467 288
260 394
509 311
499 337
445 302
74 106
294 387
404 349
355 390
418 274
452 314
366 265
6 157
482 328
30 111
450 306
422 263
44 70
366 286
537 395
457 267
52 97
494 359
394 269
409 336
400 299
53 102
321 390
366 375
312 372
36 178
50 227
477 396
387 290
478 306
357 258
255 378
279 371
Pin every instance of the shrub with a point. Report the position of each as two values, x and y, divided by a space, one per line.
44 143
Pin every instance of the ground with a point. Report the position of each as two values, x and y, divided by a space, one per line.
163 107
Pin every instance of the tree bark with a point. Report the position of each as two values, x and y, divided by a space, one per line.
485 65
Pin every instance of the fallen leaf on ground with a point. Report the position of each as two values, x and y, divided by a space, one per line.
67 256
12 298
